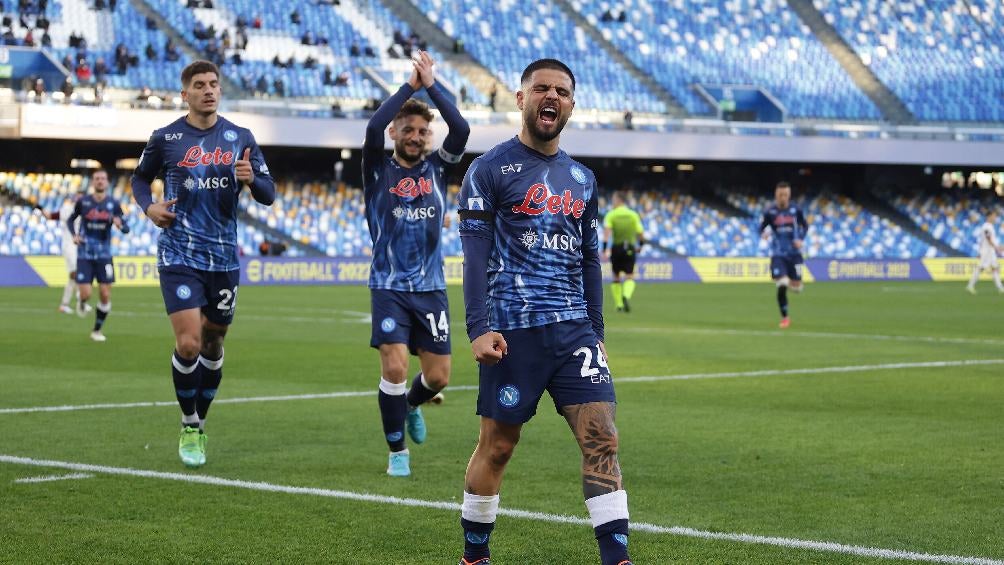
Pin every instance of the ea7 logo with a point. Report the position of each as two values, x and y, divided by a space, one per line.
173 136
512 168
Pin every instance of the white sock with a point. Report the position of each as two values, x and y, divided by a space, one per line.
481 509
976 277
997 279
393 389
190 420
68 292
607 507
105 307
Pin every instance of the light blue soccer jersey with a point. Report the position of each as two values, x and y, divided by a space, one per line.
542 212
198 167
405 209
96 220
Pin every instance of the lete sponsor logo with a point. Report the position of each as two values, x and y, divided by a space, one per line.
539 200
196 157
410 188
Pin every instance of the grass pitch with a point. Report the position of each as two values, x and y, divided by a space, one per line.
897 452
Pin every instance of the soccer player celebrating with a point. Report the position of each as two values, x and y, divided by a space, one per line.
69 250
533 293
206 162
98 212
622 237
786 263
989 250
405 199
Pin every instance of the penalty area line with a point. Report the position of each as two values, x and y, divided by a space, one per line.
617 380
822 546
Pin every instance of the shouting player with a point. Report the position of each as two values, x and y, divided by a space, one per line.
989 250
206 162
533 292
786 264
405 198
97 213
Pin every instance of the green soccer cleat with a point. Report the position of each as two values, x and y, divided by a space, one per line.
399 464
416 425
203 440
191 448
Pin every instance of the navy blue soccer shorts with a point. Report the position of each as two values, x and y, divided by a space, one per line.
214 292
90 269
419 319
562 358
786 266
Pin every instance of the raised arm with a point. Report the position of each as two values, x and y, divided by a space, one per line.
460 130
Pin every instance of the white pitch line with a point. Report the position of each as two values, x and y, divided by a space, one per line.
793 543
50 478
643 379
824 335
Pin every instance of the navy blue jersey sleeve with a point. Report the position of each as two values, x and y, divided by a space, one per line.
73 217
453 146
150 164
373 143
477 215
262 187
764 222
592 274
803 226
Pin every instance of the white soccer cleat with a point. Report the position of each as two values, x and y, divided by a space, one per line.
88 308
438 399
98 336
65 309
970 290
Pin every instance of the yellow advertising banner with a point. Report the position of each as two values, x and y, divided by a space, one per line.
953 268
737 269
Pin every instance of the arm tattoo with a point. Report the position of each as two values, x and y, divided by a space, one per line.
593 426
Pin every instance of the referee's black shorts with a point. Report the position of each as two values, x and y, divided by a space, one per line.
622 258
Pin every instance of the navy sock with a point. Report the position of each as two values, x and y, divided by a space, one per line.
186 382
419 394
212 374
782 300
476 536
100 313
393 412
613 539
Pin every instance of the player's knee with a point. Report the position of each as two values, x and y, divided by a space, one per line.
212 345
395 372
500 452
437 379
189 345
783 281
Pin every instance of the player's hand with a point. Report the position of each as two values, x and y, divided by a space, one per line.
161 214
764 235
77 239
424 65
243 170
489 348
797 243
414 81
603 349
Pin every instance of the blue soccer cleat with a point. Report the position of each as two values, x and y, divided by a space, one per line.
416 425
399 464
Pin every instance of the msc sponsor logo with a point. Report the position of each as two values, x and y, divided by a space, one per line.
539 200
512 168
411 188
529 238
561 242
508 396
208 183
173 136
196 157
414 214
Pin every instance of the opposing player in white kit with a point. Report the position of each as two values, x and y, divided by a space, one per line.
69 249
989 252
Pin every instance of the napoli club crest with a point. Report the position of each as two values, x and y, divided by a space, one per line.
183 292
230 135
578 174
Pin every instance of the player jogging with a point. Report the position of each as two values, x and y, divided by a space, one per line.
622 238
405 199
989 252
533 293
97 213
206 162
786 263
69 249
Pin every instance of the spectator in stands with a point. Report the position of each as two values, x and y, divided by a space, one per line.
607 16
199 31
151 53
242 22
46 39
132 58
144 95
121 57
151 24
242 39
342 79
354 50
328 77
277 62
42 23
492 97
29 39
310 62
84 74
463 95
261 87
99 92
279 86
8 37
291 63
236 59
628 119
368 51
171 51
39 88
193 3
225 41
100 69
213 51
308 39
294 17
9 22
67 90
207 4
99 5
67 63
256 23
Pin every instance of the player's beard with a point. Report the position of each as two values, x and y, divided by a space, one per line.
530 120
409 153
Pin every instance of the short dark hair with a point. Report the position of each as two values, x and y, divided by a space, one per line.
195 68
783 184
99 170
553 64
413 107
